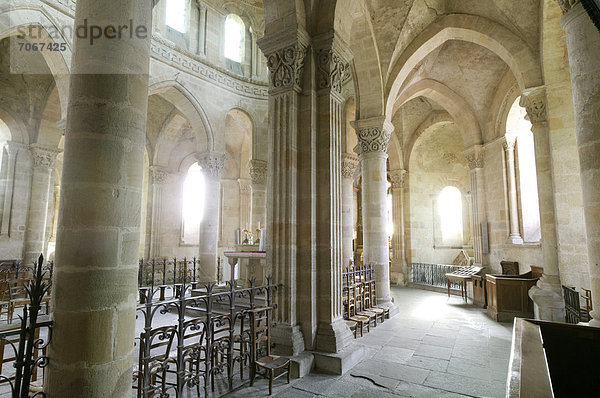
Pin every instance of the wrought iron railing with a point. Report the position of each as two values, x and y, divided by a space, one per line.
26 342
209 338
433 275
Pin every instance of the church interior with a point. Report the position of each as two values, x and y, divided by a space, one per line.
350 194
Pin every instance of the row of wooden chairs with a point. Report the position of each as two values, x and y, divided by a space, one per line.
360 306
13 295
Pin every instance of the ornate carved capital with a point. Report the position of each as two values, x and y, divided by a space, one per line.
509 143
349 165
245 187
373 135
474 156
44 157
534 101
258 171
566 5
332 70
212 163
397 178
287 66
158 175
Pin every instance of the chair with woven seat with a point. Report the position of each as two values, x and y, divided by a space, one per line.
159 340
260 323
350 310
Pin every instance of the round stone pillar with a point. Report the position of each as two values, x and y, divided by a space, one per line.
98 235
212 164
583 45
513 205
399 272
349 165
373 138
258 174
36 235
158 178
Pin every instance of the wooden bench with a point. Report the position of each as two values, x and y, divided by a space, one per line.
462 276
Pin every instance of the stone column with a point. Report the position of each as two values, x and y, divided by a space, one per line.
245 204
513 205
474 156
258 174
349 165
285 54
399 272
36 235
547 294
212 164
158 178
373 138
583 45
12 149
95 284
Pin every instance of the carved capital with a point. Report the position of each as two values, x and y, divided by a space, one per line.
158 175
373 135
44 157
509 143
212 163
397 178
474 157
349 165
258 171
332 70
286 66
245 187
566 5
534 102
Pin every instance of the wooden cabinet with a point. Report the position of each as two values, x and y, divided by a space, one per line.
507 296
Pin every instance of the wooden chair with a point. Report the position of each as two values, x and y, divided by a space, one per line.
219 345
350 303
193 348
386 310
587 308
367 303
509 267
10 357
260 323
160 341
359 303
5 303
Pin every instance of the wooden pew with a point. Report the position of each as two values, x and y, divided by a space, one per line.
507 296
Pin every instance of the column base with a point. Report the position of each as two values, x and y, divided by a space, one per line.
548 303
341 362
515 240
595 321
333 337
287 340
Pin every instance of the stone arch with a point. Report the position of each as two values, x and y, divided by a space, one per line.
514 51
18 131
455 105
165 143
188 105
433 119
253 133
58 61
240 142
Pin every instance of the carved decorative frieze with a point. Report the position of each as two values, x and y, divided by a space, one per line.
158 175
474 157
349 165
212 163
332 70
534 102
258 171
566 5
44 157
287 66
397 178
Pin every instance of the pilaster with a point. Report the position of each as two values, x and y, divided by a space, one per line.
399 272
513 206
12 150
475 161
158 178
258 175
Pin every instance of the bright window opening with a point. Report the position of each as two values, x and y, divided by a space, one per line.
176 15
451 218
193 204
235 33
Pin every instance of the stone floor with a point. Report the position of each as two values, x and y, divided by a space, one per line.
435 347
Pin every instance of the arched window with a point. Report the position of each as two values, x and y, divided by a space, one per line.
235 35
524 212
193 204
175 17
451 218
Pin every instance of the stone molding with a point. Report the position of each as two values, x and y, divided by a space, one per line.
349 165
474 157
258 171
566 5
44 157
158 175
397 178
212 163
373 135
535 103
13 147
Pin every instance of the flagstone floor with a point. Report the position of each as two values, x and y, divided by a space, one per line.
434 347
